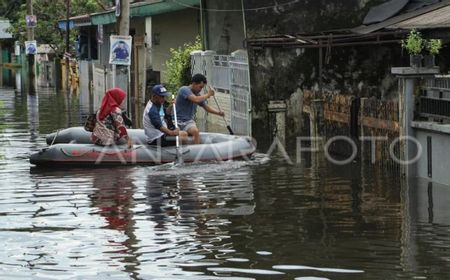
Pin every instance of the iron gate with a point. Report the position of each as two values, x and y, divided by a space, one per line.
228 74
240 93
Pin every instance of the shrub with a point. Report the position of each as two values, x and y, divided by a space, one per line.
179 65
434 46
414 43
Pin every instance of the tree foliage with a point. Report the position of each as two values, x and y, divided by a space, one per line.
48 13
9 8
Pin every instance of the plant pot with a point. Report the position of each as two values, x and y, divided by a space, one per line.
429 61
415 60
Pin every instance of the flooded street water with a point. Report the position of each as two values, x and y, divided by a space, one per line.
263 219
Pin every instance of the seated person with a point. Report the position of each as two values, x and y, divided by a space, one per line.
109 119
126 120
158 125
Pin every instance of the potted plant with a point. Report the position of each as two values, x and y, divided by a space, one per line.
433 47
414 44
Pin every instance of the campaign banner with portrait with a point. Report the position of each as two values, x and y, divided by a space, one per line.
31 21
30 47
120 51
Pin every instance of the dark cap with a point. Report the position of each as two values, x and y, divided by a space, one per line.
160 90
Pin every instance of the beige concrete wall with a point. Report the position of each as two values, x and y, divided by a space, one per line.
215 123
225 26
172 30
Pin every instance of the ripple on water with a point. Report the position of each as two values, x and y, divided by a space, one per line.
264 253
311 278
239 260
302 267
245 271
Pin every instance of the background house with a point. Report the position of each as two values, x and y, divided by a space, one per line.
156 27
6 51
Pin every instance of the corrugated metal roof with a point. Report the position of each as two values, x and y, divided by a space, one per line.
418 4
439 18
365 29
4 24
384 11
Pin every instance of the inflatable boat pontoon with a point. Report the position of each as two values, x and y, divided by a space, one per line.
72 146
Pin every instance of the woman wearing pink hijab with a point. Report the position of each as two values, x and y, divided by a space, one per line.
110 116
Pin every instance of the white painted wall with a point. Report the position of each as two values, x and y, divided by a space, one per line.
148 41
440 154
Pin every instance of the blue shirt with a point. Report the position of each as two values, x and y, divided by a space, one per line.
154 118
121 53
157 116
186 109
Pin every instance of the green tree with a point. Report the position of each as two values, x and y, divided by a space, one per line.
179 65
9 8
48 13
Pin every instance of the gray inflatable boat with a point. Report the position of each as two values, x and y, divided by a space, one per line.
72 147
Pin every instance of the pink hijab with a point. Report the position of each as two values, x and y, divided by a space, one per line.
112 99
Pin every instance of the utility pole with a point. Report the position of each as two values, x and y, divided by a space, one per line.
31 57
122 71
67 46
124 18
68 61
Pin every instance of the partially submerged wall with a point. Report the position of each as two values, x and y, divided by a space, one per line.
358 119
283 73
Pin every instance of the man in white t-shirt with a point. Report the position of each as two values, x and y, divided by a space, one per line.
158 125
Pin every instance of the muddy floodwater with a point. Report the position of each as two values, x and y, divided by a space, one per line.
262 219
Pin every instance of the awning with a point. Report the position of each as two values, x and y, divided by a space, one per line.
77 21
146 10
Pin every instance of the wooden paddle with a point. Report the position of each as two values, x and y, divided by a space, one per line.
217 103
179 155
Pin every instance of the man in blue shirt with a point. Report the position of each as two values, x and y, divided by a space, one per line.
121 51
158 125
186 105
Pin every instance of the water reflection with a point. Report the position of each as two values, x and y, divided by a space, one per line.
113 196
18 81
33 117
113 193
428 228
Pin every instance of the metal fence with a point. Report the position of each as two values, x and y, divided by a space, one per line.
101 81
228 74
434 102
